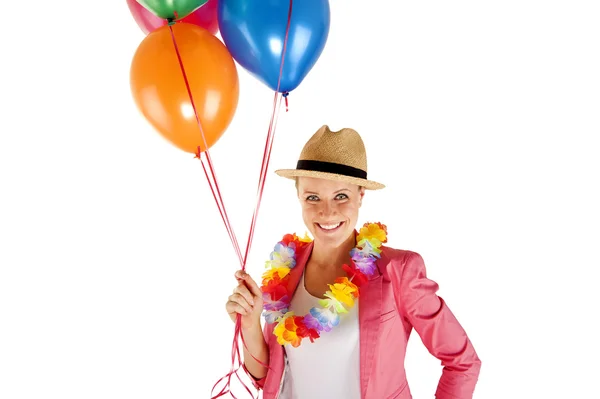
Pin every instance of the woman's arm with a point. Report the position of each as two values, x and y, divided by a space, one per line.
439 330
247 301
256 349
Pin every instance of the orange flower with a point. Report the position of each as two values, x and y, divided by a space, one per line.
285 331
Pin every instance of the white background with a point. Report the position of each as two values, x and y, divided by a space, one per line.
481 117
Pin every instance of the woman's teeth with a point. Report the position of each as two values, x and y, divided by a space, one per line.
329 226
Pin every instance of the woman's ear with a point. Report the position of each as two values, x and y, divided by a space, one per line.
361 190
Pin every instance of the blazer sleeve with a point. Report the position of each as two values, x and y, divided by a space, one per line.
257 383
440 331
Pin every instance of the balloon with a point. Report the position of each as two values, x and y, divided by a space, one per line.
171 9
205 17
160 92
254 33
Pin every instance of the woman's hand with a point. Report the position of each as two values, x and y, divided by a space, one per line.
246 300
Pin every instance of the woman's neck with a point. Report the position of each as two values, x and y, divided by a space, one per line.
328 257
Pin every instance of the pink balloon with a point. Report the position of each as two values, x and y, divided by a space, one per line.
205 17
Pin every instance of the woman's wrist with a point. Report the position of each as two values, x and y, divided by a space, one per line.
254 331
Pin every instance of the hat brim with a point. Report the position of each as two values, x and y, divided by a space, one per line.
293 173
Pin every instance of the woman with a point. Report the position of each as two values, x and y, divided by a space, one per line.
339 308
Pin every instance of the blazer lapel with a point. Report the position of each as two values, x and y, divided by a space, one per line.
369 315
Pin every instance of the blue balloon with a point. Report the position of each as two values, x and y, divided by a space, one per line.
254 33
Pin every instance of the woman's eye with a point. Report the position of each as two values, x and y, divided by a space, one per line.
312 198
341 196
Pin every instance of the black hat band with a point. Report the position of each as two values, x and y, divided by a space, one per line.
331 167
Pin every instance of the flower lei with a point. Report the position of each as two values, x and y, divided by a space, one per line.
292 329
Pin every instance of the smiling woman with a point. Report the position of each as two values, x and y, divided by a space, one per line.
311 290
330 209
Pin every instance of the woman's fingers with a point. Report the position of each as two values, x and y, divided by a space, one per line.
237 303
254 288
241 275
242 290
235 308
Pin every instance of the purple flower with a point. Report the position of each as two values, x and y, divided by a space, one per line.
364 262
272 305
311 322
273 316
325 317
273 310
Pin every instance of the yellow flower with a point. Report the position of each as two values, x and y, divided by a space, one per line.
343 292
375 233
305 239
270 274
351 286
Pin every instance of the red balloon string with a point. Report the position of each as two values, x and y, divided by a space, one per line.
263 171
238 330
212 179
209 171
236 358
221 207
236 362
214 186
270 136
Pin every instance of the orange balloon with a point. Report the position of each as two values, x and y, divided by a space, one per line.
159 89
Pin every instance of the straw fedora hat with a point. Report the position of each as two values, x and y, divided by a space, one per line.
333 155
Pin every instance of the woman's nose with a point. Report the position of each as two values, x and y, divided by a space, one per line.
326 209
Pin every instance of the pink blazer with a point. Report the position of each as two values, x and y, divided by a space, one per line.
397 298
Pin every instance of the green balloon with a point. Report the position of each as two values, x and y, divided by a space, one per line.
172 9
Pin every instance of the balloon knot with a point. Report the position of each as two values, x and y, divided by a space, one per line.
174 19
285 97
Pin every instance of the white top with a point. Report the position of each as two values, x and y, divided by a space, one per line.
328 368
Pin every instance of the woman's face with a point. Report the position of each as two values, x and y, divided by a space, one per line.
329 208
